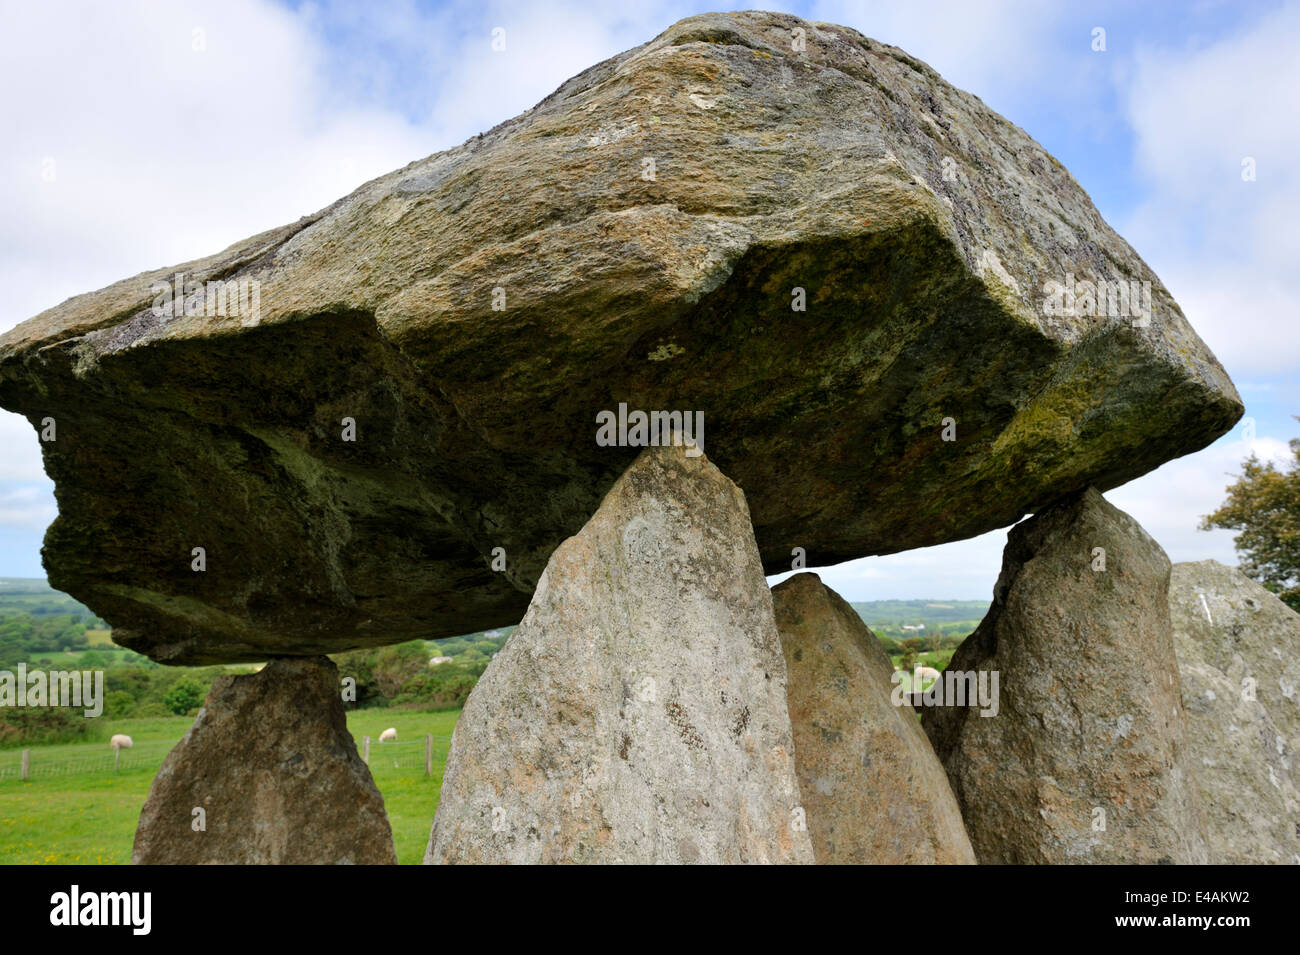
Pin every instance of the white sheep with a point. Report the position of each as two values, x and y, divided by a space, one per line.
926 673
389 735
120 741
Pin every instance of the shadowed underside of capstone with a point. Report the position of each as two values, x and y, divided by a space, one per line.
642 236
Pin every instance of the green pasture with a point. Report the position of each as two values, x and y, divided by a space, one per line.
76 809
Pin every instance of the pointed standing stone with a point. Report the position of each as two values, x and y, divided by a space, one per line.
271 764
873 790
1086 760
638 712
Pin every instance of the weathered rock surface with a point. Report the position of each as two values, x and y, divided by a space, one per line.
642 236
1238 652
272 765
1090 729
873 790
638 712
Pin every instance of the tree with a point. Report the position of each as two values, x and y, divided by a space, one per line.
394 666
118 704
93 658
1264 505
185 694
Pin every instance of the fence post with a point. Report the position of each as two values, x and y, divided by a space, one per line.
117 752
365 750
27 763
428 754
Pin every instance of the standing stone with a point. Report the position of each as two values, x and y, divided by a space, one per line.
272 765
1239 658
873 790
638 712
1086 760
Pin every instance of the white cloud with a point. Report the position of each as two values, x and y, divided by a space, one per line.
1170 501
161 152
26 494
962 570
21 457
1196 116
988 48
26 506
483 86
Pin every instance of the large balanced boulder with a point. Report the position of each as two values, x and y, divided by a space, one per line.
1238 650
1085 760
873 790
638 713
848 266
267 774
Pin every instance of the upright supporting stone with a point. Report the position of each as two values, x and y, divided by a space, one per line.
268 773
1238 652
873 790
638 712
1085 759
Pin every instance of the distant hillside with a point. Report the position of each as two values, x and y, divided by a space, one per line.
24 585
925 625
34 596
932 613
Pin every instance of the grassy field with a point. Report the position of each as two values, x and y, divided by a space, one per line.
90 818
112 655
409 795
939 659
101 638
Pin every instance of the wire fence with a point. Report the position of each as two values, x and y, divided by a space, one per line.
38 762
419 753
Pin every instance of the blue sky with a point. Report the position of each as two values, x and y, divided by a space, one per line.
174 129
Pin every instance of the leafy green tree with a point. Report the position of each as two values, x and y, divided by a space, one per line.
358 665
93 658
185 694
1263 505
443 687
132 680
24 725
118 704
395 666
